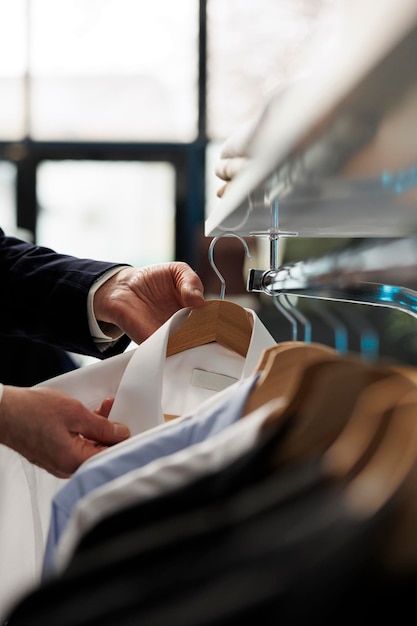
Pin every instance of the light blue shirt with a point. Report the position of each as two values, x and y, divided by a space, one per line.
153 444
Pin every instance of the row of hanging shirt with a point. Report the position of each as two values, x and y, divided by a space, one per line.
278 484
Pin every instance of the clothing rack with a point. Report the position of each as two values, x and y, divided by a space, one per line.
334 155
345 275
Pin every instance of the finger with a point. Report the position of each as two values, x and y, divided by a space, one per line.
190 286
102 430
105 407
221 190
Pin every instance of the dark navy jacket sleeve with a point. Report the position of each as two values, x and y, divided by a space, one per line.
44 296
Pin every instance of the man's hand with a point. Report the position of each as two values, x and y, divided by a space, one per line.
140 300
53 430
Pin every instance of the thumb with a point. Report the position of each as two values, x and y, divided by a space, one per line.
191 288
104 431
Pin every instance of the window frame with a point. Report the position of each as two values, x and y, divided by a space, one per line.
187 159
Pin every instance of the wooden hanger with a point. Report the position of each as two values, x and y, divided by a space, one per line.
282 368
368 439
366 425
407 371
274 350
323 405
374 455
343 411
220 321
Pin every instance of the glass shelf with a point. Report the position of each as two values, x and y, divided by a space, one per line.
335 155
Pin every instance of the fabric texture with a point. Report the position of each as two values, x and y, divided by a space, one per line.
150 386
245 541
176 436
164 474
37 286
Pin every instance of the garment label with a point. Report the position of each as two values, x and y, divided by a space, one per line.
211 380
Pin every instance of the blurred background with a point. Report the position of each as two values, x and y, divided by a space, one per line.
112 116
112 113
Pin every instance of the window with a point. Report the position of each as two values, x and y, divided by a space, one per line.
255 48
113 113
118 211
123 70
7 197
13 57
83 81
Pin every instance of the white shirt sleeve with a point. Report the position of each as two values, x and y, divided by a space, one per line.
105 335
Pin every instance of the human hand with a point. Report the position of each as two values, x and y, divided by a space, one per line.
105 407
140 300
54 430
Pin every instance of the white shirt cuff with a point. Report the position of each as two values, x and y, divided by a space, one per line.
105 334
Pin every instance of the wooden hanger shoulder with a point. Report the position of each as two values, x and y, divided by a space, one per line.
282 346
283 369
323 406
407 371
366 424
391 466
221 321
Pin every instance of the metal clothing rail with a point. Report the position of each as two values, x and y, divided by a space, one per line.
349 275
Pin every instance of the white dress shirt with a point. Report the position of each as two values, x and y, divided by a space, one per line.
211 417
146 385
25 492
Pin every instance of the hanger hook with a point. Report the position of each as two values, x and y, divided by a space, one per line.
341 342
211 258
286 313
300 317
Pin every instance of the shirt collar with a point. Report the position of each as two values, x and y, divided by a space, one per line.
142 381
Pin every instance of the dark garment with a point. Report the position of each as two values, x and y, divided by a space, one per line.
24 363
44 296
292 561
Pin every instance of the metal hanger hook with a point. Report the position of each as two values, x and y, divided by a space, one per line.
286 313
300 317
211 258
